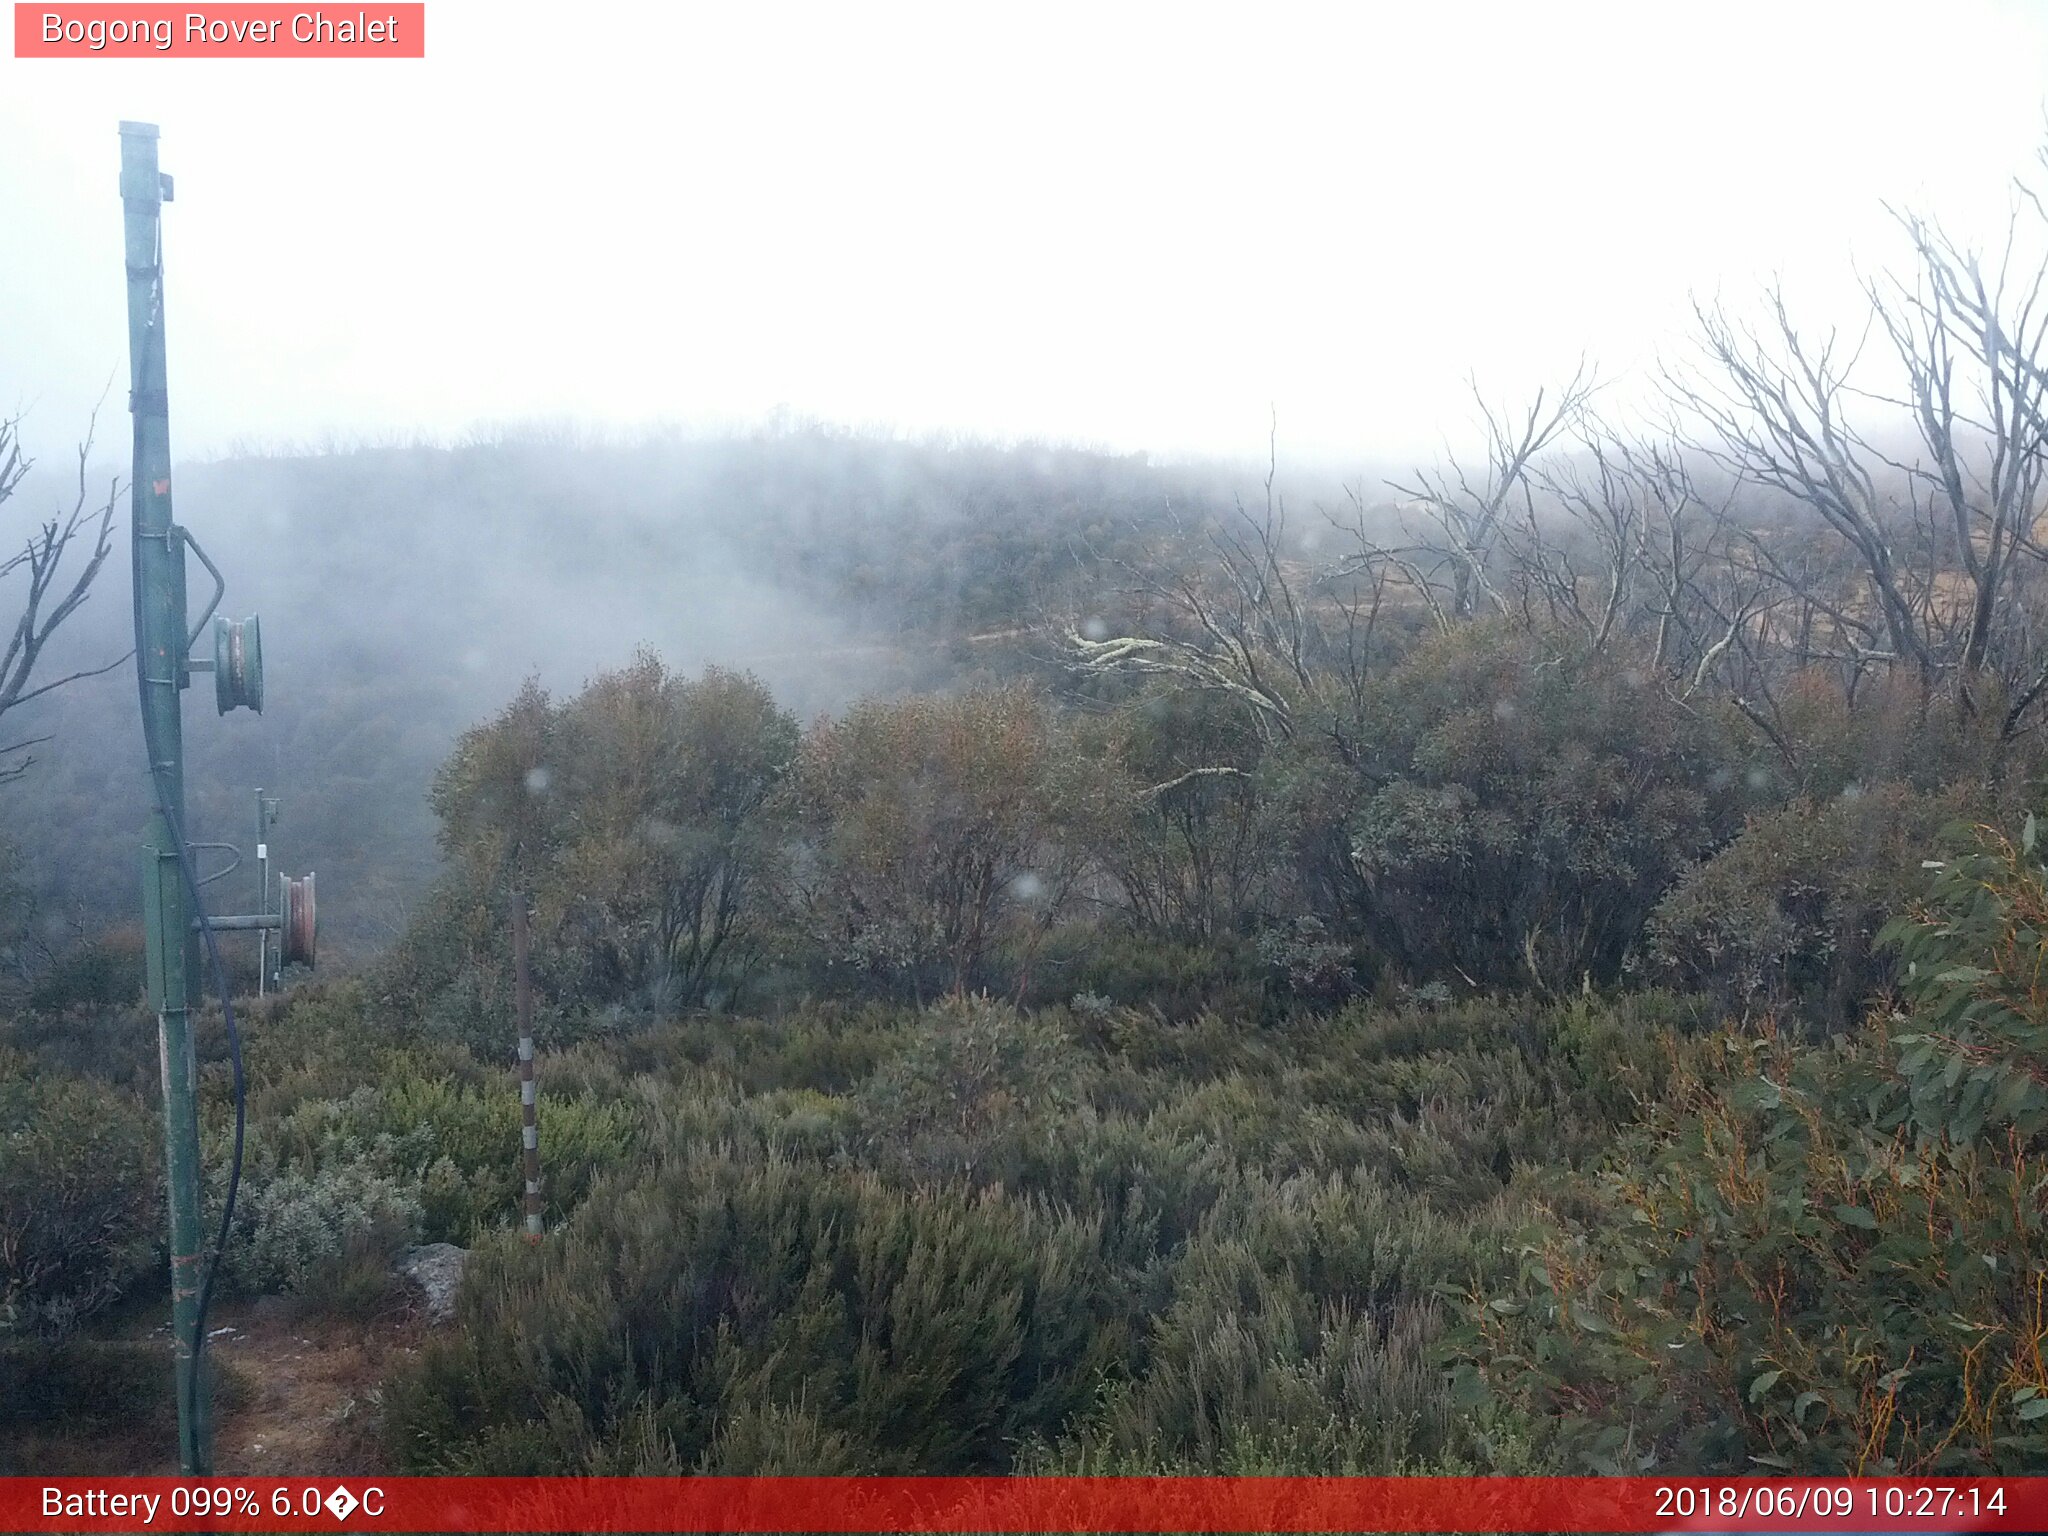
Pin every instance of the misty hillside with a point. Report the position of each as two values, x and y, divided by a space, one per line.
405 593
1479 911
1040 963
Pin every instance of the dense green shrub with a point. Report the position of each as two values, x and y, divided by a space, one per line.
1162 1048
445 1134
904 1331
653 888
1298 1334
1151 1186
1183 825
80 1197
1827 1259
101 1385
709 1115
1517 810
1311 963
1273 1382
826 1045
311 1042
1349 1237
114 1046
471 1135
936 832
1453 1102
1137 969
1975 1037
292 1227
1891 730
102 972
631 817
1783 919
972 1087
1784 1285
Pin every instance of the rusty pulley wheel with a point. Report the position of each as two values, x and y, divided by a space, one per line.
238 664
301 926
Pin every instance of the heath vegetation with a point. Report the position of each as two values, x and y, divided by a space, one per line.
1532 967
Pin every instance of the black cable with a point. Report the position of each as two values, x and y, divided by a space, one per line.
174 823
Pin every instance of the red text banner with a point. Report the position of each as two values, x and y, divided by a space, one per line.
225 31
1024 1504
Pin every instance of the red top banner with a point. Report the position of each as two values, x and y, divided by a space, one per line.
230 31
1024 1504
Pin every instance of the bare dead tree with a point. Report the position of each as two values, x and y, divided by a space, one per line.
53 593
1985 434
1234 617
1771 409
1686 540
1469 509
1234 614
1824 543
1596 504
1944 536
1986 315
1231 625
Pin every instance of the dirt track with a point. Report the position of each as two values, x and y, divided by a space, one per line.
295 1398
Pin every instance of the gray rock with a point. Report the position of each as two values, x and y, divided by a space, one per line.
436 1269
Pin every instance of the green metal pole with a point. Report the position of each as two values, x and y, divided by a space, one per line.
160 655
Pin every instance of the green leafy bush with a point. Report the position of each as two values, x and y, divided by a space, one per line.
652 889
97 1385
1975 951
1180 820
936 833
474 1131
102 972
1785 918
972 1087
631 816
447 1133
1298 1334
293 1228
1517 811
80 1196
1134 968
1273 1381
1785 1286
1459 1102
1827 1259
824 1045
1891 730
114 1046
905 1331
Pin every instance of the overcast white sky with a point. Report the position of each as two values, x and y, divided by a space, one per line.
1132 225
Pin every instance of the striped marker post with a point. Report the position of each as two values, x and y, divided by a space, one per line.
529 1123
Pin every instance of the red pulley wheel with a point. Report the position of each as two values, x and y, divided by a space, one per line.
296 945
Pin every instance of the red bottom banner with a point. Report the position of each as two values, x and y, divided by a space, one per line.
1019 1504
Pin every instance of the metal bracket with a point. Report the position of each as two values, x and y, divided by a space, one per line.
220 587
220 873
